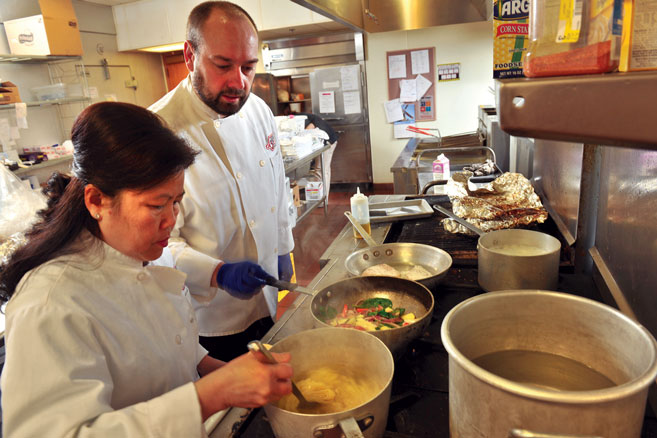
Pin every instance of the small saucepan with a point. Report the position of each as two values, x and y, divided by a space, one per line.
514 258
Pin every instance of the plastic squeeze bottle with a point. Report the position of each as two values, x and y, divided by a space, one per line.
360 209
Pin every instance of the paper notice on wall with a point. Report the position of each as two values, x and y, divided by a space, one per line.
393 110
408 90
396 66
351 102
399 130
111 98
350 77
422 85
21 115
419 62
5 133
326 102
93 92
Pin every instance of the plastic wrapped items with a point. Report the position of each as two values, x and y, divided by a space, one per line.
568 37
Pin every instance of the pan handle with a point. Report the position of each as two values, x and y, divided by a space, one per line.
350 428
523 433
458 219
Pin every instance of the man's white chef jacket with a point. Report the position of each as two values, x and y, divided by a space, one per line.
99 345
234 208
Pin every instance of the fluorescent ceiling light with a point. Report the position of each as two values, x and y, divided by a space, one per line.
164 48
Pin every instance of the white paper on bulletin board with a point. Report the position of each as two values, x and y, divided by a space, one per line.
396 66
326 102
419 62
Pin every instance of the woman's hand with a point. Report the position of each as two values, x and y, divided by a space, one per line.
246 381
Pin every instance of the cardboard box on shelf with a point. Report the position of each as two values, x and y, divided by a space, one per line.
296 194
9 93
53 32
639 40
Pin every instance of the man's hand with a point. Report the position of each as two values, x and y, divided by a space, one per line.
242 279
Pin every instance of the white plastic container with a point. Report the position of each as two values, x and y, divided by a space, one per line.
314 191
50 92
360 209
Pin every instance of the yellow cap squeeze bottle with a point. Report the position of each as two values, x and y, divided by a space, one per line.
360 209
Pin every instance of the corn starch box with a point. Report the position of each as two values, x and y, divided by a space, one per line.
510 27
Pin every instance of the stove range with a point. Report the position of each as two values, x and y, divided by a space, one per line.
419 405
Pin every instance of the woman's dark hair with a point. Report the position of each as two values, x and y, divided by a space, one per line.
202 11
118 146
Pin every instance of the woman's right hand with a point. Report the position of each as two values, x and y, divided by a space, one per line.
246 381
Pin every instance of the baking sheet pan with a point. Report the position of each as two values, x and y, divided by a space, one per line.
399 210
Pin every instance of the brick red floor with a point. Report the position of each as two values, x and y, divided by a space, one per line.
316 232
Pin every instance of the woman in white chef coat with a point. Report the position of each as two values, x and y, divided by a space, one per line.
100 342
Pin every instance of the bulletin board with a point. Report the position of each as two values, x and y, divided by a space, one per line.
425 106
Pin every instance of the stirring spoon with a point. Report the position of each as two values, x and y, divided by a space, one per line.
303 403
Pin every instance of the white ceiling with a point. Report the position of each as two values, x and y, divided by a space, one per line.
110 2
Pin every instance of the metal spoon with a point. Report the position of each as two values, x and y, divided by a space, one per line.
303 403
286 285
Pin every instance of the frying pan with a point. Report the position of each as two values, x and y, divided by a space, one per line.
412 296
433 259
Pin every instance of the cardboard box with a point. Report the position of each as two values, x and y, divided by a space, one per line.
9 93
510 37
639 40
53 32
296 194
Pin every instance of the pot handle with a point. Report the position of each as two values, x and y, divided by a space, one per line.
350 428
524 433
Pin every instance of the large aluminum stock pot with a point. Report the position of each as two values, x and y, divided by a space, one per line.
342 349
592 377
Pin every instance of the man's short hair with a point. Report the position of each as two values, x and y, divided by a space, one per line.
201 12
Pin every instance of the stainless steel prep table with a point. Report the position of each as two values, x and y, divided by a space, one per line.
298 318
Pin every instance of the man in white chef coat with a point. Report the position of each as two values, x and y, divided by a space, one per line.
233 225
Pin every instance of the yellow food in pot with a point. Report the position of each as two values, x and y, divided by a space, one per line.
334 390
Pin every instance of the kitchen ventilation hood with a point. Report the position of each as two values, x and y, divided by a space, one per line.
390 15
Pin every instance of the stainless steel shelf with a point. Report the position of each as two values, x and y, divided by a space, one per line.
43 164
47 102
616 109
307 207
289 167
35 59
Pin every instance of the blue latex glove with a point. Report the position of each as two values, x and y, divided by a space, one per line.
285 270
242 279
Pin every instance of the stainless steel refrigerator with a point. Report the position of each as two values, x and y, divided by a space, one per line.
338 96
334 64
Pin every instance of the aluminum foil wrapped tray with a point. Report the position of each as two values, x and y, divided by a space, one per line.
506 202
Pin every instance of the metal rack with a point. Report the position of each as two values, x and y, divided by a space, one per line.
55 74
309 206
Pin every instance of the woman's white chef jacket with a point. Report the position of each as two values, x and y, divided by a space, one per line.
97 345
235 204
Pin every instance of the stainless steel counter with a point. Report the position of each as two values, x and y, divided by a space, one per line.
298 318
